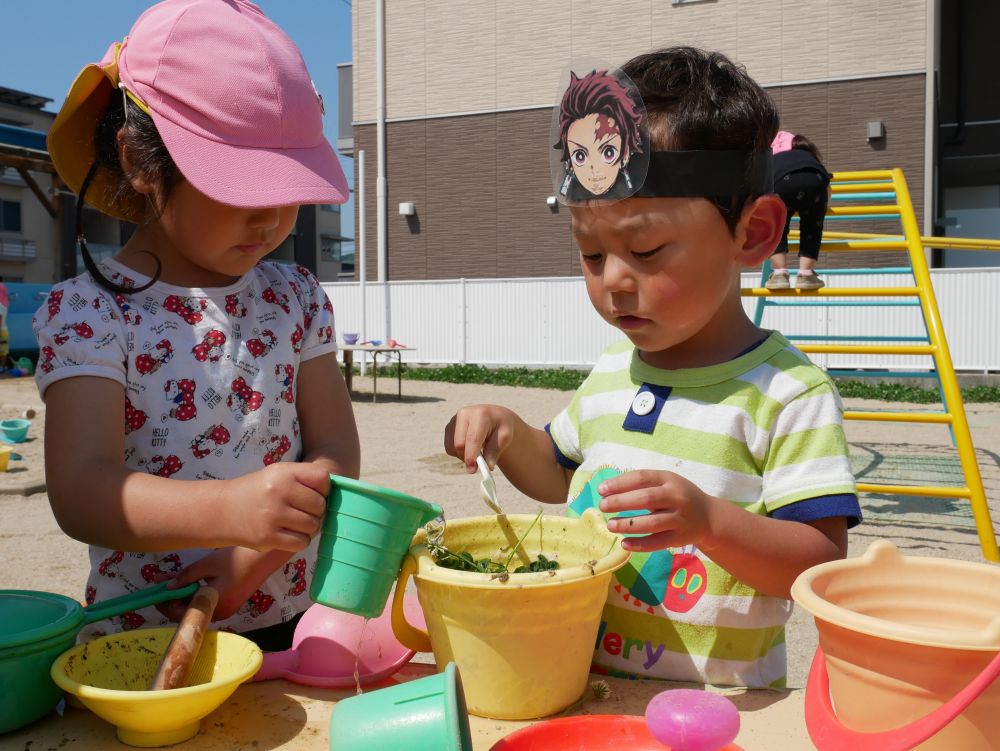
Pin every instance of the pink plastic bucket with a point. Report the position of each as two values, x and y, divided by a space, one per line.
909 653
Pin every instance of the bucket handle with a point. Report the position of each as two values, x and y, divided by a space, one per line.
829 734
134 600
408 635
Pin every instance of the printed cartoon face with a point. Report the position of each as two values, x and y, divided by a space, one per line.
600 136
595 151
688 581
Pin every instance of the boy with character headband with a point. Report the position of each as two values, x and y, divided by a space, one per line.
715 447
195 408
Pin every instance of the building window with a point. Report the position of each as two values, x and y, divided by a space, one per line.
333 208
338 251
10 216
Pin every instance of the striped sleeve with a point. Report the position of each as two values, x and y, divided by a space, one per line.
564 430
808 454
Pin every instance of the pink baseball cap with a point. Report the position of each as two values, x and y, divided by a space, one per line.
782 142
231 97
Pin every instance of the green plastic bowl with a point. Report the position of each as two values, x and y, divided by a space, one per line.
427 714
35 629
14 430
366 532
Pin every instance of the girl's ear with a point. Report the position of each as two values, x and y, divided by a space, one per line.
760 229
137 179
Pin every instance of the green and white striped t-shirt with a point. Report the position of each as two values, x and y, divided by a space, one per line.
764 431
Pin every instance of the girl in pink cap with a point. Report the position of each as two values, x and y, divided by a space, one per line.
195 408
804 185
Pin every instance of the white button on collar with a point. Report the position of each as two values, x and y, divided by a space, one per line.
643 403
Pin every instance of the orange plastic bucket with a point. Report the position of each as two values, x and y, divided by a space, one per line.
909 653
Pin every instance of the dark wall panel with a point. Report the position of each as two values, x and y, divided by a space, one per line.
480 182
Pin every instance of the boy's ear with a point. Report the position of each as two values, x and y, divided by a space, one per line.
760 229
139 181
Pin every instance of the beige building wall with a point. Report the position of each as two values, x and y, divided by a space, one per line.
37 225
463 56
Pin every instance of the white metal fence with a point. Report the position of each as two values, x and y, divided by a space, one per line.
550 322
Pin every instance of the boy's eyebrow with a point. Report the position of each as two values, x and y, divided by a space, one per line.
580 145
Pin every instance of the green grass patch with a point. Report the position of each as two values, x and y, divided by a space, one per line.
560 379
565 379
898 392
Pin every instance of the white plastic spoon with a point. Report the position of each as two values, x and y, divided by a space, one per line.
488 489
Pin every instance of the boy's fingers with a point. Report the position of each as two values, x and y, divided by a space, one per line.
648 543
642 498
450 447
491 450
643 524
640 478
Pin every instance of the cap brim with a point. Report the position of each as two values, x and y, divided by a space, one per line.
253 177
71 141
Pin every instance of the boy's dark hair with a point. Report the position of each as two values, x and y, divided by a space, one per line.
149 157
703 100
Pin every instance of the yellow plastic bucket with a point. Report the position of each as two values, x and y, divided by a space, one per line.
523 646
909 652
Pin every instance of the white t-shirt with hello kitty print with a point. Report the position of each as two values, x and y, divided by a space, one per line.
210 381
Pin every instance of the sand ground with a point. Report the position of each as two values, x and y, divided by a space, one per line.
402 448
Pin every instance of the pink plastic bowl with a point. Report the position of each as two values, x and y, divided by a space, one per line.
326 642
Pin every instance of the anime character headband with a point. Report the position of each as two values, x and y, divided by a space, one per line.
601 150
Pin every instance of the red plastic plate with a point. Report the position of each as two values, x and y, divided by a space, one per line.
586 733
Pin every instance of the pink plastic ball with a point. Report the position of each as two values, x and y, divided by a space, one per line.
690 720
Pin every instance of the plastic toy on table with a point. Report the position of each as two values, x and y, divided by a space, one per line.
687 719
329 644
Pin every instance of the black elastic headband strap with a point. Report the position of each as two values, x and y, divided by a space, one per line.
707 173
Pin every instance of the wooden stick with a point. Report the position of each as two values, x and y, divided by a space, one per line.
183 648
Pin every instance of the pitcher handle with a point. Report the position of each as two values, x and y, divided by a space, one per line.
829 734
408 635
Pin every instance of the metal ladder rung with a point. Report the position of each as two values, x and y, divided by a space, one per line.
840 188
937 418
862 271
858 338
844 303
840 246
932 491
864 349
833 292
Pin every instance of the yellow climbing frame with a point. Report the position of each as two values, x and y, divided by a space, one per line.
891 185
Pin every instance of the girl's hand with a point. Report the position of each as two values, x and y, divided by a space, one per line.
482 428
279 507
234 572
680 513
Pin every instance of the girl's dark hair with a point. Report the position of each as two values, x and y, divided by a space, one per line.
801 142
703 100
150 159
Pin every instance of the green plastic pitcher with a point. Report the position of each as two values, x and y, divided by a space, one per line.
427 714
366 532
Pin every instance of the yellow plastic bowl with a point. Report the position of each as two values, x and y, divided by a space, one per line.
110 676
5 452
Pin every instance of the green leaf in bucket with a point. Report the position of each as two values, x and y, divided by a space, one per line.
464 560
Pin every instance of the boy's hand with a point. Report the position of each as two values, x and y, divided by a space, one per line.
279 507
679 510
482 428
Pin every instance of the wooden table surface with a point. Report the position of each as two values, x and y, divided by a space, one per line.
282 715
